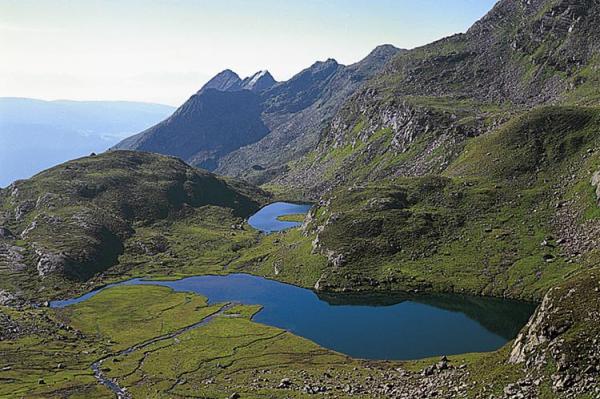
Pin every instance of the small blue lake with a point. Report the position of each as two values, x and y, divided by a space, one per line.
266 221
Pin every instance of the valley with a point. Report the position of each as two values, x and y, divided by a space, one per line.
421 223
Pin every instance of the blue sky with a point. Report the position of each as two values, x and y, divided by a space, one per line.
163 51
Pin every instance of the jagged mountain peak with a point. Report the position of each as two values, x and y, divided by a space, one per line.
260 81
226 80
383 50
229 113
328 63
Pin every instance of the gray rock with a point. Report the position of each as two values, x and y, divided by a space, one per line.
49 263
6 233
6 298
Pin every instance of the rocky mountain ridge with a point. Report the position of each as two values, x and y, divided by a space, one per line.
417 114
228 80
287 117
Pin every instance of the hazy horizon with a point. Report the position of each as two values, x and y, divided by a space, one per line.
164 51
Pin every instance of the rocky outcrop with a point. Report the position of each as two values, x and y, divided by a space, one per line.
12 257
377 138
6 298
296 111
596 184
564 333
49 263
260 81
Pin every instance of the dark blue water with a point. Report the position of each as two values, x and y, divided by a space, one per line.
390 326
266 219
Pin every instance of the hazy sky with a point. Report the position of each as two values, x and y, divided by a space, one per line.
163 51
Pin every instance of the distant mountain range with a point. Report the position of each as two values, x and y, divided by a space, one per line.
255 125
37 134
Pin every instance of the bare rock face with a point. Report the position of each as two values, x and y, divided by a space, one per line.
536 333
11 257
564 332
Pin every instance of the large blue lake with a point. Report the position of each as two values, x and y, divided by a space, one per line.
395 326
391 326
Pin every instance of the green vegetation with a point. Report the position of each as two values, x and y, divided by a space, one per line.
444 173
153 311
286 256
487 228
228 354
107 213
298 218
139 334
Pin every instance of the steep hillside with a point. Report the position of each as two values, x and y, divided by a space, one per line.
209 125
415 117
74 221
510 217
296 112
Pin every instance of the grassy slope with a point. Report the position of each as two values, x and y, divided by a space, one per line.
465 203
480 227
95 212
228 351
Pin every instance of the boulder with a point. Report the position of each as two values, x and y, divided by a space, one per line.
596 183
6 298
49 263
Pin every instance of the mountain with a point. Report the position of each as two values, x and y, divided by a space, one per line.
207 126
36 134
471 165
74 221
297 111
468 166
414 117
260 81
256 123
228 80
